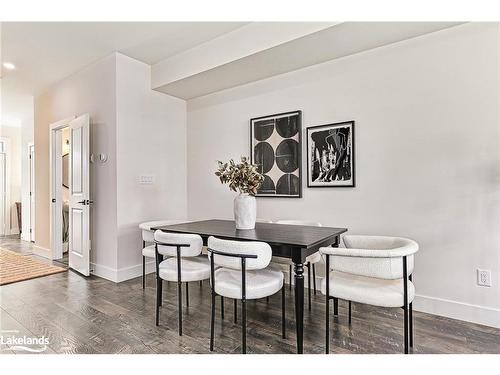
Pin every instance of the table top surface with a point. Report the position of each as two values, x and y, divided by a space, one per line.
274 234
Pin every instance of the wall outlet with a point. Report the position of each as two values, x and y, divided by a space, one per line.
146 179
483 277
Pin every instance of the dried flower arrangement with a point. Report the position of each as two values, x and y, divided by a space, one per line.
242 176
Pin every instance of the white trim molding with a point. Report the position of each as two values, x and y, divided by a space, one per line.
42 251
458 310
121 274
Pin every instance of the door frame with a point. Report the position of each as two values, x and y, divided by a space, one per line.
6 206
31 209
56 243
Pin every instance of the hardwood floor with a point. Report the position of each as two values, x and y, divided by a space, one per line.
93 315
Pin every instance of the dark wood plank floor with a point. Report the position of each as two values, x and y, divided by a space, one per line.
93 315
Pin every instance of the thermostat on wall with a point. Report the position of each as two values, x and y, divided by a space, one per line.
147 179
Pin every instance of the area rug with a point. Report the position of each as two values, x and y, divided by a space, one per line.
16 267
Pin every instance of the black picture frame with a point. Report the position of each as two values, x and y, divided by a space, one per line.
352 161
296 181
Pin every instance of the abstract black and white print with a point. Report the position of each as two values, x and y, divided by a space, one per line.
276 150
330 155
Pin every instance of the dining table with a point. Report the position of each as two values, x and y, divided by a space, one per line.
295 242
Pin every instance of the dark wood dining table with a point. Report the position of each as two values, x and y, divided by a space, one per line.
295 242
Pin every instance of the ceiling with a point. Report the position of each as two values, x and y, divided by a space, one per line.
46 52
326 44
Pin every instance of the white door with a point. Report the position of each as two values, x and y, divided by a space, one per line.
32 193
79 195
3 177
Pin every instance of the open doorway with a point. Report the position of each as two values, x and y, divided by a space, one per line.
60 196
70 192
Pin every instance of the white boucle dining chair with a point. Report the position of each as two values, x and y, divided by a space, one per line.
311 260
374 270
148 247
243 274
183 265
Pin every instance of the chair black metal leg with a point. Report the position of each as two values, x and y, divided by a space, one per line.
411 318
187 294
267 299
405 304
327 304
222 307
349 312
161 292
235 311
243 326
335 306
283 313
411 325
201 283
314 278
158 299
308 265
161 282
143 272
179 305
290 274
212 322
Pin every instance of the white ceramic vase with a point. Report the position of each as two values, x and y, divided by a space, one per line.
245 211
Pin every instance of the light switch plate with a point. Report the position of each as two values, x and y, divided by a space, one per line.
146 179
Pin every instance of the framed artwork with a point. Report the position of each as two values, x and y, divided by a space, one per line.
330 155
275 147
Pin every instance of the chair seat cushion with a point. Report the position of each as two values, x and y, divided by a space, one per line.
192 269
149 251
259 283
369 290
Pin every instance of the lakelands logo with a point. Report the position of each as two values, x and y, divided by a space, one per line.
10 341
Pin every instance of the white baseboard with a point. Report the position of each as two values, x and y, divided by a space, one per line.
121 274
105 272
458 310
128 273
42 251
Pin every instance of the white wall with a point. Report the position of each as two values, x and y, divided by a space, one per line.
143 132
151 140
13 163
427 155
91 90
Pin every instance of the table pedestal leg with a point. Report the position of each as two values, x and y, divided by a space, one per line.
299 305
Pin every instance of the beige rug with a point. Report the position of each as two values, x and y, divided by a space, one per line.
16 267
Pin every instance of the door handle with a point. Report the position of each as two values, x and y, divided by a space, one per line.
86 202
